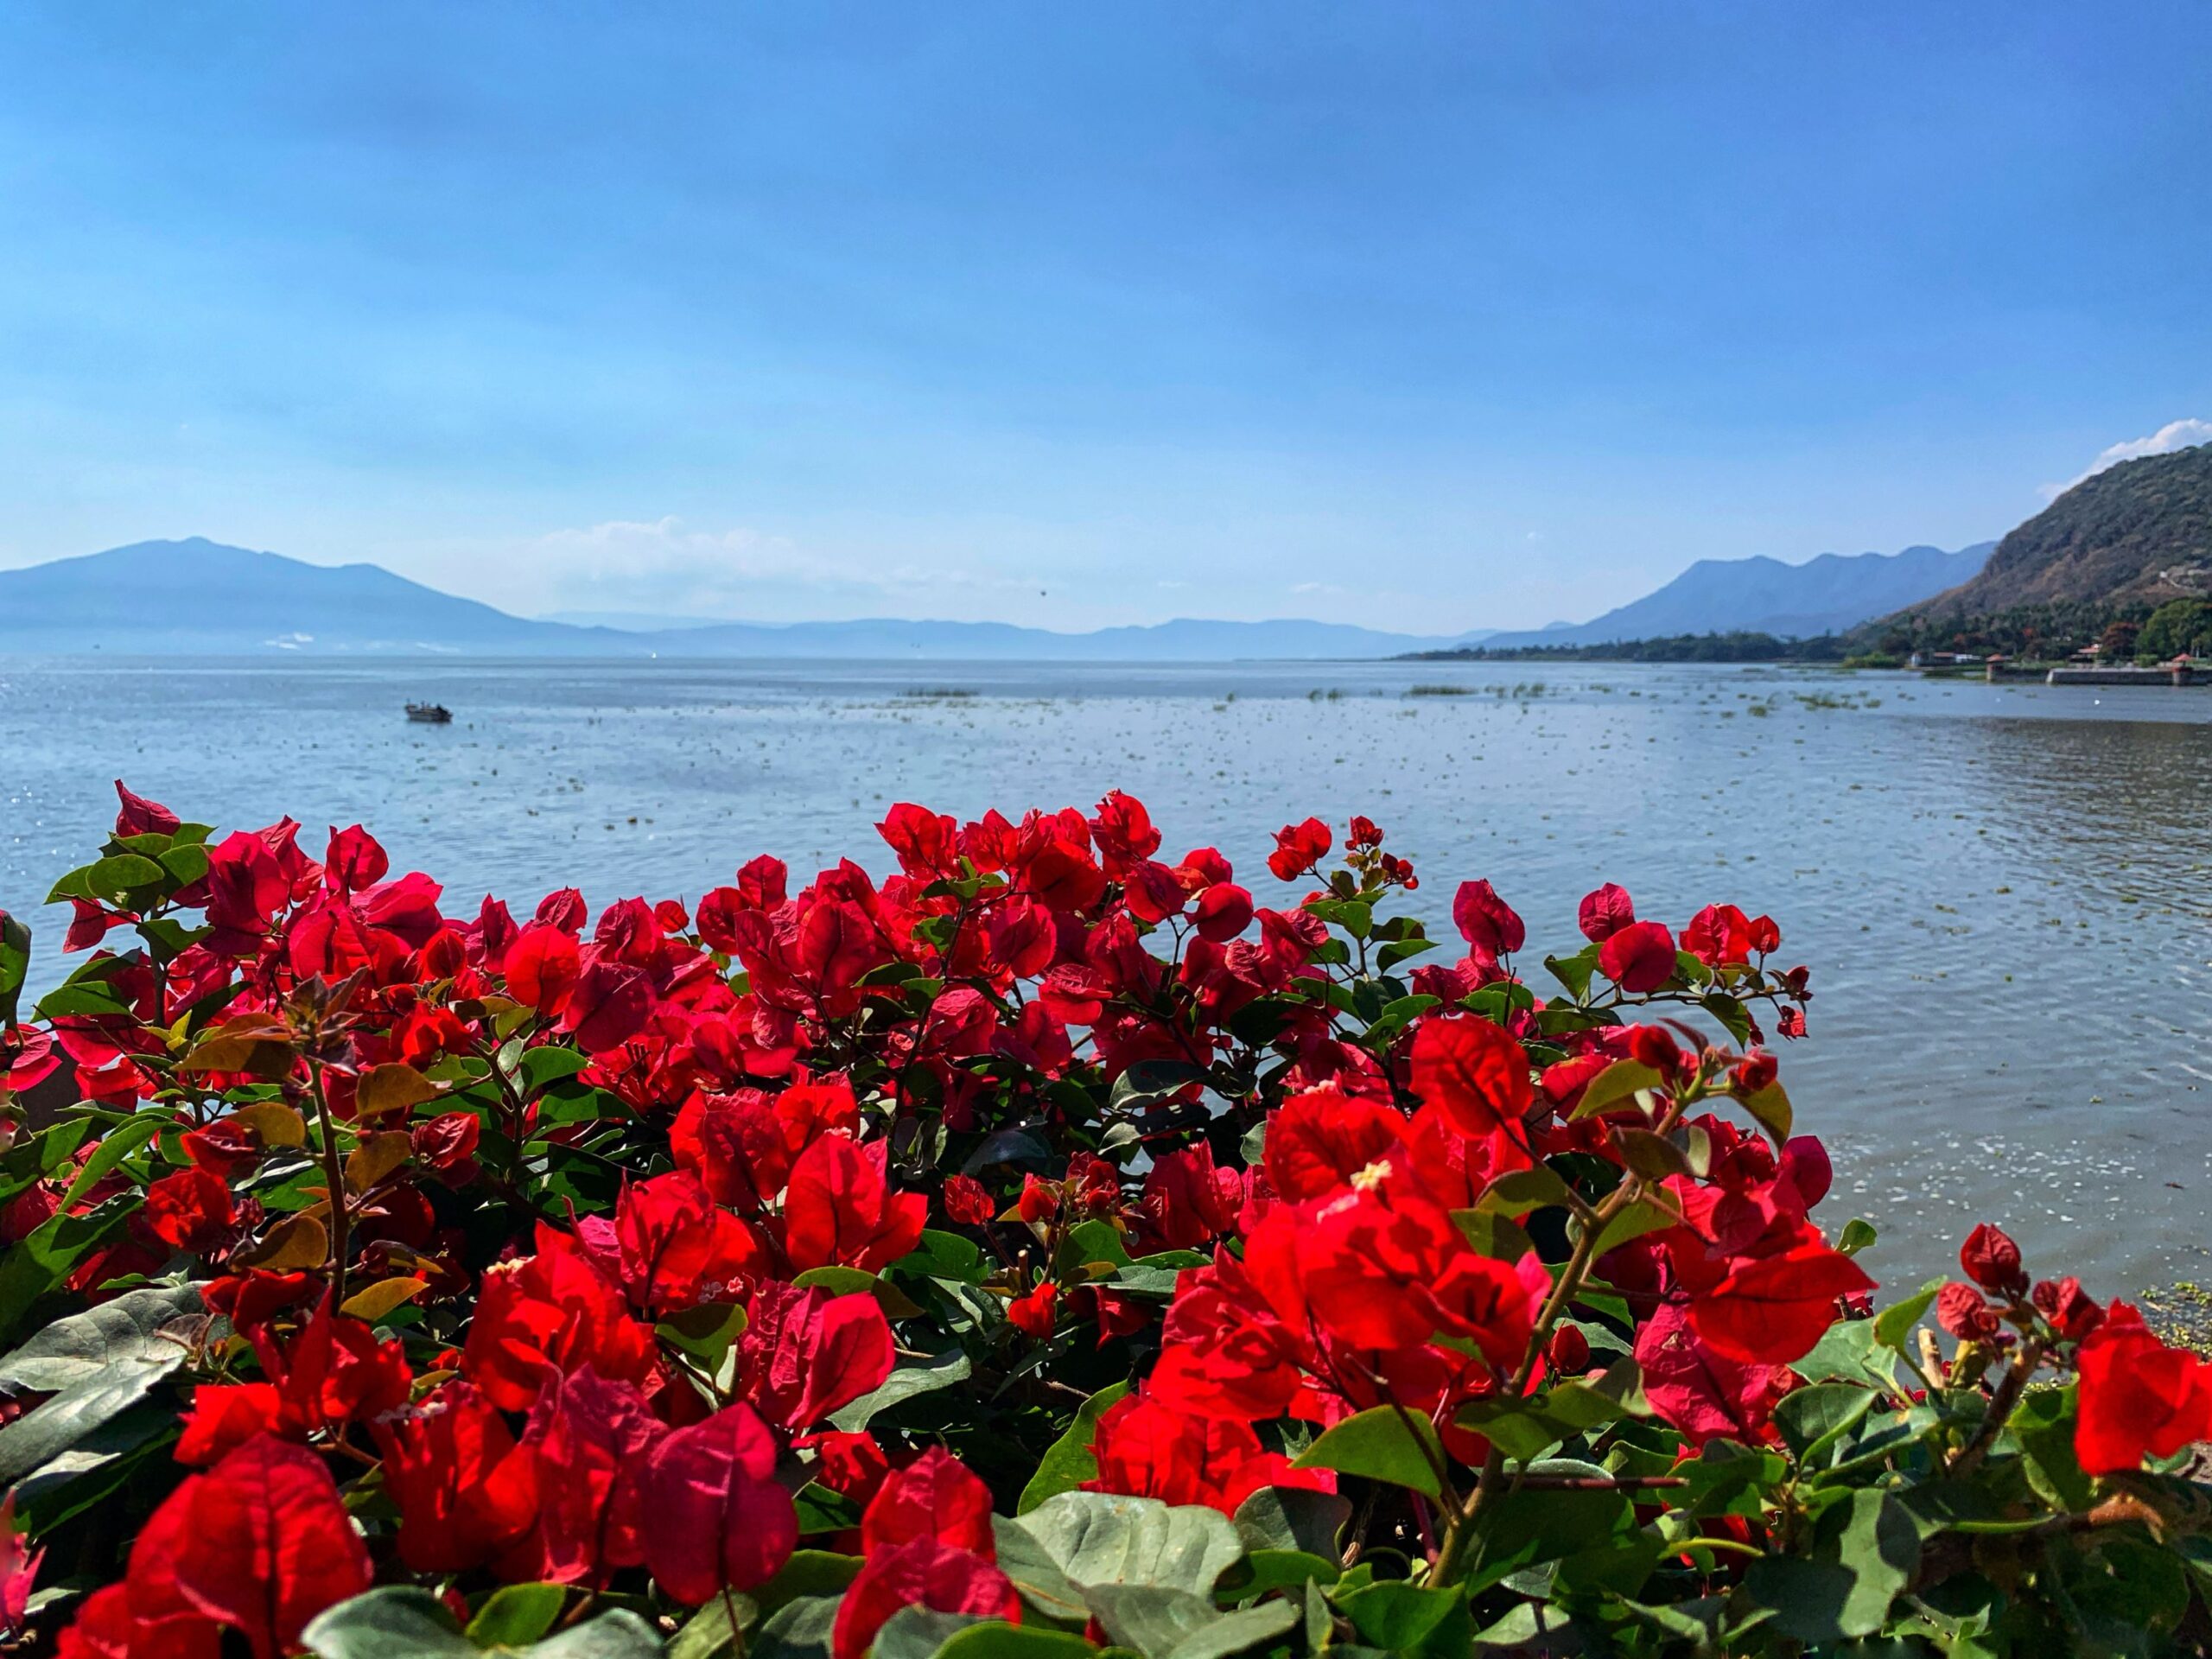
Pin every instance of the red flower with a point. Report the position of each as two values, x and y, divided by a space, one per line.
191 1211
609 1005
1033 1314
2140 1398
967 1201
921 1572
1298 848
259 1544
1188 1200
589 1439
541 966
1639 958
1039 1201
554 1309
1699 1390
805 1352
1486 920
1719 935
1605 913
935 1496
715 1517
140 816
466 1493
1477 1076
674 1248
1319 1140
1773 1309
1225 910
1992 1260
1147 1449
840 1209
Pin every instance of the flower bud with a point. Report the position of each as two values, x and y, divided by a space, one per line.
1570 1351
1961 1310
1992 1260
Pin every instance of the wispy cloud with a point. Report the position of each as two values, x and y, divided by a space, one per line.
2174 435
667 565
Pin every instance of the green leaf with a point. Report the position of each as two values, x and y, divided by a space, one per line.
1149 1082
2043 1422
1734 1018
1382 1444
836 1280
1521 1190
1851 1351
116 1146
1162 1622
1292 1518
1079 1541
917 1632
800 1629
809 1574
549 1064
944 1256
1495 1236
1639 1218
1400 1617
1821 1412
38 1262
1770 1109
1574 971
1070 1461
134 1329
941 1372
1846 1591
401 1622
1528 1527
123 872
98 1364
1857 1236
516 1615
996 1639
1893 1325
1526 1428
1616 1084
711 1632
14 965
1266 1571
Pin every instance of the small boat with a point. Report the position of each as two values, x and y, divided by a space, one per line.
430 714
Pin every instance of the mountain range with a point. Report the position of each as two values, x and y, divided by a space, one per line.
202 597
1828 594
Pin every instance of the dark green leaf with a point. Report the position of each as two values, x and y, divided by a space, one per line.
1382 1444
1293 1518
1070 1461
941 1372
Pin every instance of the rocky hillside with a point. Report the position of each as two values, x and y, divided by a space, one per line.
2132 537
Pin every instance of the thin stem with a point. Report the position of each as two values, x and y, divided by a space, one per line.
333 1170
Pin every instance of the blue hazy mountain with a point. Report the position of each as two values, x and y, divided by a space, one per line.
198 596
1827 594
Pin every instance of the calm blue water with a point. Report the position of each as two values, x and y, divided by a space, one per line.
2002 890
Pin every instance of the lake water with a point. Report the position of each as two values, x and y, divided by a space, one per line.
2002 891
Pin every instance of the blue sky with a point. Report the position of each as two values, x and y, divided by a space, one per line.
1427 316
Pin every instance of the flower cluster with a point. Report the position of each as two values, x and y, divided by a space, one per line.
1046 1236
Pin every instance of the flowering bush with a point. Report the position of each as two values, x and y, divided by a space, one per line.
1047 1249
